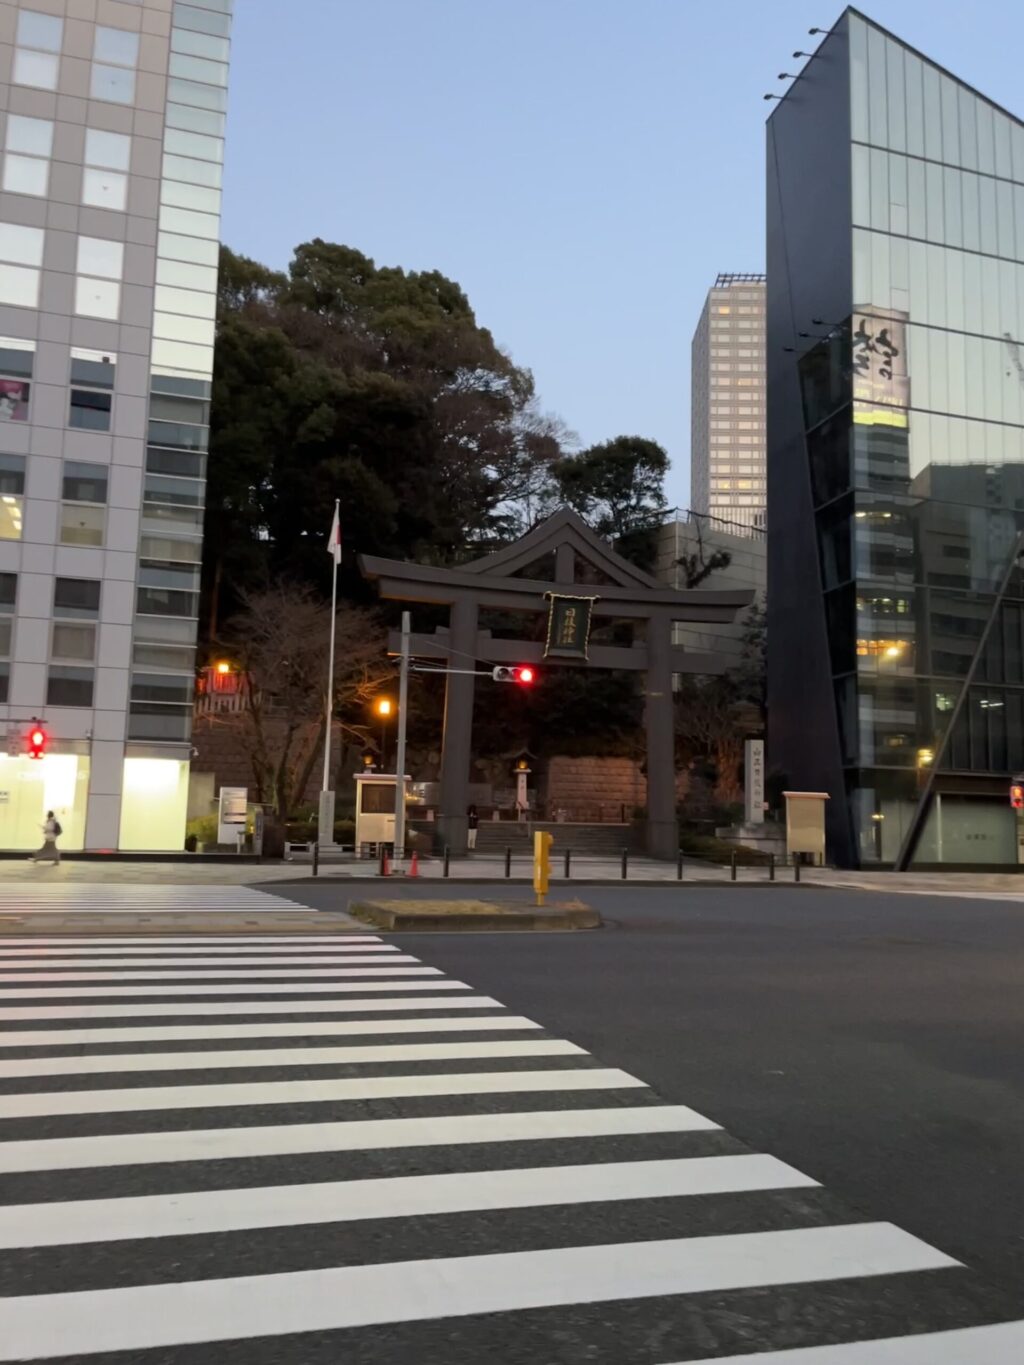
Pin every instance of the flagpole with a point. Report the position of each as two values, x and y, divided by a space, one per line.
330 661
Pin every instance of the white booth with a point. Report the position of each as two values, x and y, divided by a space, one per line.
375 808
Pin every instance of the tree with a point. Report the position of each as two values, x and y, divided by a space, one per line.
281 639
715 715
618 487
373 385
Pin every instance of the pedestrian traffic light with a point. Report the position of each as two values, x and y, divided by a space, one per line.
519 673
1017 795
37 741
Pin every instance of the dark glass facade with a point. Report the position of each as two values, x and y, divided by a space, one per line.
896 453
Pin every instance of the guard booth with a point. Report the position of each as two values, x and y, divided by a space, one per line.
375 810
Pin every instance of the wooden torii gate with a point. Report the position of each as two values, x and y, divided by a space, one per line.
501 581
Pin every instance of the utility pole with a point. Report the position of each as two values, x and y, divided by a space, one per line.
403 707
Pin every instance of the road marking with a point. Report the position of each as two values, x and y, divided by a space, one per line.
355 1135
339 1201
179 1033
400 964
202 1311
160 940
252 988
24 1067
228 974
49 1102
261 1006
175 957
999 1344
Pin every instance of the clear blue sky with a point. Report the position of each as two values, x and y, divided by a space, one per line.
583 168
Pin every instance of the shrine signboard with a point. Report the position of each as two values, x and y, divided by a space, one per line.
568 626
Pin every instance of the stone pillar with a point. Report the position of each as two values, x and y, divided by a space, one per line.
662 827
457 743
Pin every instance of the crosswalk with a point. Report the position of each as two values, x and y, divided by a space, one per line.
356 1159
35 896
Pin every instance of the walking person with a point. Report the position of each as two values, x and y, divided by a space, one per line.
473 821
51 832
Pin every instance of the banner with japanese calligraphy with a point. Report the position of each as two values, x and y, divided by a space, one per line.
881 384
568 626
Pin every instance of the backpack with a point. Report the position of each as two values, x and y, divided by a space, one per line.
57 828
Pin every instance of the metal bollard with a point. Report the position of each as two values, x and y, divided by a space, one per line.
625 863
508 862
382 861
316 858
732 865
568 863
771 867
679 866
447 860
796 867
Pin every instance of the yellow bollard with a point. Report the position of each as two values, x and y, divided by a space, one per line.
541 864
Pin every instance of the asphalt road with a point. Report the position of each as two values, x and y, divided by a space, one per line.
874 1041
443 1149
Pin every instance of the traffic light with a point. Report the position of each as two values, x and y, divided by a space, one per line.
1017 795
519 673
37 740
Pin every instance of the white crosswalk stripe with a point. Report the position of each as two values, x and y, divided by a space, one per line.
68 898
417 1155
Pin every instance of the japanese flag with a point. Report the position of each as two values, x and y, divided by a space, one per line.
334 539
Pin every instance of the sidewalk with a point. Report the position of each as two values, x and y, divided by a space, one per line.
640 871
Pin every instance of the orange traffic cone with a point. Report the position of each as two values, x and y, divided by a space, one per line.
385 865
414 865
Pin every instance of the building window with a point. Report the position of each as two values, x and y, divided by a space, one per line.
37 53
92 384
12 496
76 605
69 686
16 359
83 510
104 179
97 283
8 592
161 706
27 147
115 54
76 598
21 255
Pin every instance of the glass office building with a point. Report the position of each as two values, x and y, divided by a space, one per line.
895 415
111 149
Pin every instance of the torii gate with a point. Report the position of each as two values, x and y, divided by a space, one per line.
623 591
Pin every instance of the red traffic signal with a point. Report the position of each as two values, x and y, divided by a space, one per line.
520 673
37 741
1017 795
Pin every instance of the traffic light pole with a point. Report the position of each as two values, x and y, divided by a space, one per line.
403 697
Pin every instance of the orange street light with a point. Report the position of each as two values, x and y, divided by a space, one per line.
222 667
384 706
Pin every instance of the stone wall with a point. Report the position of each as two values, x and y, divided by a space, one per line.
594 788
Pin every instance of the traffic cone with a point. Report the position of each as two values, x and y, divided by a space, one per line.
385 865
414 865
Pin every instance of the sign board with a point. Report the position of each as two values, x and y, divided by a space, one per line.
805 824
568 626
881 384
232 806
753 782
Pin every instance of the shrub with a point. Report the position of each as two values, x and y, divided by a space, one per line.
714 850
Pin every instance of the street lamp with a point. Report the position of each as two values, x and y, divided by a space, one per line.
385 708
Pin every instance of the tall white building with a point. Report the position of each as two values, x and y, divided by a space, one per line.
727 412
111 148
